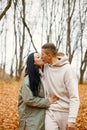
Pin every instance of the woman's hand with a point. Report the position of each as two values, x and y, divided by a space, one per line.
70 126
52 98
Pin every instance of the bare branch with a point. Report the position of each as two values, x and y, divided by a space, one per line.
6 9
28 29
73 8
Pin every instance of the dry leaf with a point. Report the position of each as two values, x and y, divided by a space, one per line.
9 100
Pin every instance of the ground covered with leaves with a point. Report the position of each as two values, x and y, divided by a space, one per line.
9 112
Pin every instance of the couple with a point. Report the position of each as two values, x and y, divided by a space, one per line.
58 109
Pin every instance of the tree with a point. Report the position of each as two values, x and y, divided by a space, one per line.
83 53
61 22
6 9
70 15
83 67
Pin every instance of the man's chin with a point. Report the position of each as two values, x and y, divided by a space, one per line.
44 62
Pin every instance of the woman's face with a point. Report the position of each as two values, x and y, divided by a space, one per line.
37 60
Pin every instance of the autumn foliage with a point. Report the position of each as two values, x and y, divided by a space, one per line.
9 112
8 105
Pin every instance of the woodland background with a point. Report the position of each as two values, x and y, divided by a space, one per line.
25 25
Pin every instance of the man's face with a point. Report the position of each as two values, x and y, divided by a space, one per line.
45 56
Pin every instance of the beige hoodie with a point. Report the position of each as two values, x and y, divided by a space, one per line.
60 80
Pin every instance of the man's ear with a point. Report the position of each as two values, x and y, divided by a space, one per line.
49 55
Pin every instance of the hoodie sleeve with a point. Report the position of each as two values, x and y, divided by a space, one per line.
72 87
31 100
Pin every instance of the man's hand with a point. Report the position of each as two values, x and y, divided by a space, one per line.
70 126
52 98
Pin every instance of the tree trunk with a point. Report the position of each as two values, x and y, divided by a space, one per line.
22 46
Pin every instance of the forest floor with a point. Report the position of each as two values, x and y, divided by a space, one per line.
9 100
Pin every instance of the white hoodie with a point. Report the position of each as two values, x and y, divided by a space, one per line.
60 80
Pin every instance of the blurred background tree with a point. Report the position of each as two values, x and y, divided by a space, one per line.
26 25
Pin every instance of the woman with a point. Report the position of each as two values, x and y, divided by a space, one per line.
31 101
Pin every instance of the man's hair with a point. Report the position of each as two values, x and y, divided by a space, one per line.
50 48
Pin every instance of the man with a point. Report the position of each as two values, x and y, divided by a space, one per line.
60 80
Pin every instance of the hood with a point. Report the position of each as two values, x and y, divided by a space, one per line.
62 60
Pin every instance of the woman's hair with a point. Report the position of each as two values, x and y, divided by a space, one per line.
50 48
32 71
